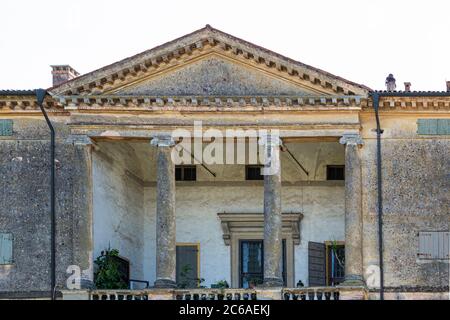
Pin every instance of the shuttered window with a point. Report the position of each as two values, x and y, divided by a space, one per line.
6 127
316 264
6 252
433 126
335 264
433 245
187 266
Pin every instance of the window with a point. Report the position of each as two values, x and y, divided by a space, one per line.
253 172
6 253
252 263
433 126
335 172
187 265
326 263
185 173
6 127
335 264
235 227
433 245
316 264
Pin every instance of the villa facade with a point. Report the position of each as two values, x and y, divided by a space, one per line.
314 223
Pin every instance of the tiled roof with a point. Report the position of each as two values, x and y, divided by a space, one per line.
416 93
17 92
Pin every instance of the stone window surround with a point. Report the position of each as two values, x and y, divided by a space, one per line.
250 226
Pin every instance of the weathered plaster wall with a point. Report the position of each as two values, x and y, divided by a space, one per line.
25 205
197 222
199 202
118 204
415 198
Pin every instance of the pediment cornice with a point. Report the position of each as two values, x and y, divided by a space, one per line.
198 44
124 103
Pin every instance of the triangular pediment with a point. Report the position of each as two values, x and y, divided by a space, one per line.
216 75
208 62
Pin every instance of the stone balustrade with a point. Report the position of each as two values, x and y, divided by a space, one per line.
301 294
119 295
216 294
312 293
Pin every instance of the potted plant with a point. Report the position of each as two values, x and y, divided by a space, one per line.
108 274
222 285
186 280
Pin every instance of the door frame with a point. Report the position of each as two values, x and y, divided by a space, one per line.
235 256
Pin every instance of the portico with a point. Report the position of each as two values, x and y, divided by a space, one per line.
287 228
177 211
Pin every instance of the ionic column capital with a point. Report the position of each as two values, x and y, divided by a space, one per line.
163 141
351 139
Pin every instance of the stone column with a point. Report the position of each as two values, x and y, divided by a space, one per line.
272 212
165 213
353 212
82 215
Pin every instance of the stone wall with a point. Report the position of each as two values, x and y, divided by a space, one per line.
25 205
415 198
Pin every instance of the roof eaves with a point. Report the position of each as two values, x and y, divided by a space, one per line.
18 92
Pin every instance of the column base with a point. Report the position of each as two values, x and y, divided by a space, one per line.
272 282
165 283
353 280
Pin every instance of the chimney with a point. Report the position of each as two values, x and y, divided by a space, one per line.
390 83
448 85
407 86
63 73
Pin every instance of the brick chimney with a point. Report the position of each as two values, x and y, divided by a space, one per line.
448 85
390 83
63 73
407 86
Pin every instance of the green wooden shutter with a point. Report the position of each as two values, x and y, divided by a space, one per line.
443 126
433 126
6 241
6 127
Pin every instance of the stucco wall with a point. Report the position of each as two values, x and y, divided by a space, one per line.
415 198
197 222
198 203
125 211
118 205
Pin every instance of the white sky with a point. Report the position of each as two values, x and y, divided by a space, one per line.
359 40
